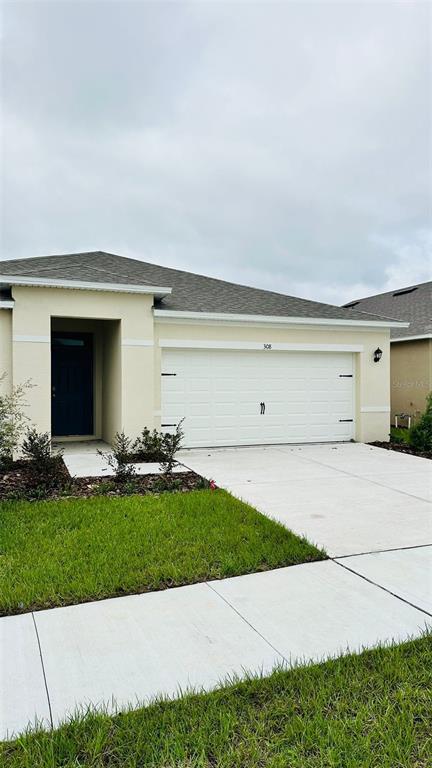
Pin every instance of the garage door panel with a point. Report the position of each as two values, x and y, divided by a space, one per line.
236 385
249 411
227 410
318 408
298 419
219 393
274 411
296 398
199 385
294 383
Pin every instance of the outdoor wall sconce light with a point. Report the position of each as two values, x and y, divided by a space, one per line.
377 355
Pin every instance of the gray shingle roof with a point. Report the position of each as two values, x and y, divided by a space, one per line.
191 292
412 304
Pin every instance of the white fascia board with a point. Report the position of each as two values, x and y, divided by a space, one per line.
257 345
43 282
412 338
173 315
7 304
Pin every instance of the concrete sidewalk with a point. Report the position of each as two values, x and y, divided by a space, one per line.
124 651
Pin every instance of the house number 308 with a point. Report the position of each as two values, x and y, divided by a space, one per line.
267 346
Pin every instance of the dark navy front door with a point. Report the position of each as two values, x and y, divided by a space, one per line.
72 383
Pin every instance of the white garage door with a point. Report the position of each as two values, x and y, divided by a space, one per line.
251 398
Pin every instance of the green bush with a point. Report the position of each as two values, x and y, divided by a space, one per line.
120 458
399 435
421 433
171 444
45 472
12 419
149 446
37 447
160 447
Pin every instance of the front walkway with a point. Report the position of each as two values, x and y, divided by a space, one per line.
127 650
84 459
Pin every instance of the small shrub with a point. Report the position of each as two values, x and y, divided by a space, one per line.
421 432
149 445
105 487
171 443
37 447
165 483
204 484
130 487
44 470
120 458
19 494
13 420
67 489
399 436
37 492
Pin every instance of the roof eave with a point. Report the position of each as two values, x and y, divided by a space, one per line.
414 337
170 314
82 285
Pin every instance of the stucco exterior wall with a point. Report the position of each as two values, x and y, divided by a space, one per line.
411 376
128 351
128 354
111 382
372 380
5 350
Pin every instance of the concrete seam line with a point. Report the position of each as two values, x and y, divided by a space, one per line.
379 551
384 589
247 622
366 479
43 670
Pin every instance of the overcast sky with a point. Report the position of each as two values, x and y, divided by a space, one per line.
283 145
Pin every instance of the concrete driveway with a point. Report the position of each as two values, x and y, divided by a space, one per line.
347 498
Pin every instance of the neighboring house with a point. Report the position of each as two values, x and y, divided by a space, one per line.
411 348
113 343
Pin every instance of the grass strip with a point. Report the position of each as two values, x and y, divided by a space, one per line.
56 553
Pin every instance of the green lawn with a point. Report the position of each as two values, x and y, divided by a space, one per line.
74 550
367 711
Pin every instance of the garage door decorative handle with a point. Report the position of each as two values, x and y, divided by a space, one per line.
262 406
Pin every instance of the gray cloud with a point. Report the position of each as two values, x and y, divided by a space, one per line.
283 145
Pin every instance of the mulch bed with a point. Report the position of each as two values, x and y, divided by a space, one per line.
401 448
17 482
141 484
